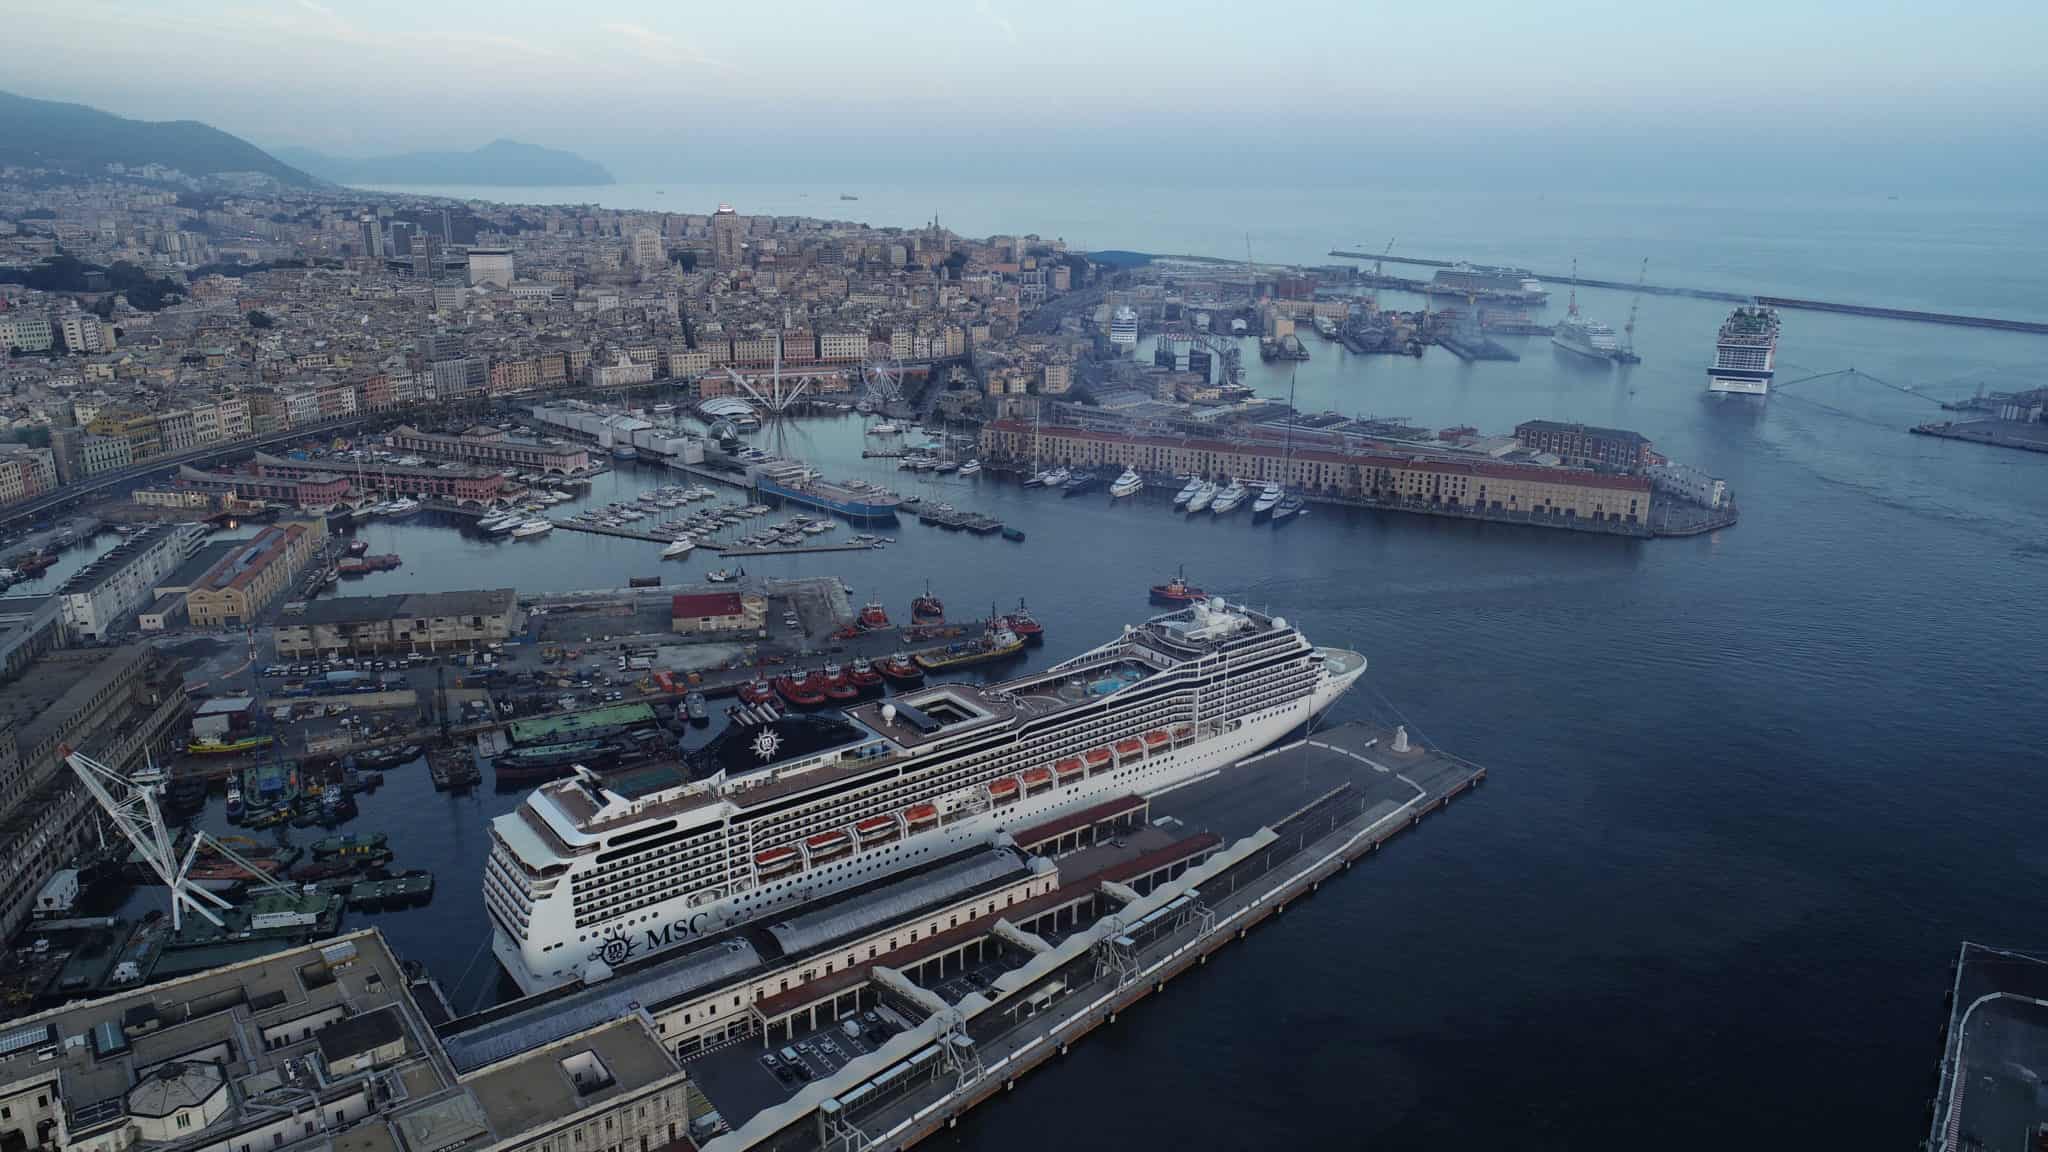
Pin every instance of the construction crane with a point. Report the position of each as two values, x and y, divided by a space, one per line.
1628 330
140 818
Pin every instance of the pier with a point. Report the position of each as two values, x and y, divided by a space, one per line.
1327 803
2000 433
605 530
744 550
1787 302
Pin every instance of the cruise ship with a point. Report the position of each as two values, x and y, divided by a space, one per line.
594 871
1745 353
1123 328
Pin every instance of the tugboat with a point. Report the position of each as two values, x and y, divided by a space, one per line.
358 547
805 692
900 670
757 692
873 616
862 675
234 800
927 609
1025 625
1177 591
837 686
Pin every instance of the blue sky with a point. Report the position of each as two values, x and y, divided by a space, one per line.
636 84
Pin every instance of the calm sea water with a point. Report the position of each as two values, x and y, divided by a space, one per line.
1748 790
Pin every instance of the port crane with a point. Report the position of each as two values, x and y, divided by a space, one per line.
138 814
1372 301
1628 330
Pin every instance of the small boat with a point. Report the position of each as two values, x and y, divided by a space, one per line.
1036 778
875 828
721 576
826 845
1227 500
863 677
1288 508
234 801
873 615
776 861
1069 768
971 468
695 709
1025 625
1013 534
682 547
927 609
1003 789
1096 757
358 547
807 692
534 527
1127 484
921 815
1203 495
1156 738
1177 591
1083 482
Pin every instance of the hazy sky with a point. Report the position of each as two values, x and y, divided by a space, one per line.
656 90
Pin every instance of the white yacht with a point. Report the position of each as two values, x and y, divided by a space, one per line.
971 468
1202 497
533 527
1227 500
1127 484
1269 499
1194 485
681 548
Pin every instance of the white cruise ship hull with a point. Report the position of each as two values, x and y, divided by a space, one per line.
1153 774
1739 383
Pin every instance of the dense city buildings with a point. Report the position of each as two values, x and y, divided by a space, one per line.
1586 446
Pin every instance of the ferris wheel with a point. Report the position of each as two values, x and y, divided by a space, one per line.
881 374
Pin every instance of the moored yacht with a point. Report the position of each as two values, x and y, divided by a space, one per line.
1127 484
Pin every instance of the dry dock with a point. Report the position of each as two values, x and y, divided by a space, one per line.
1212 860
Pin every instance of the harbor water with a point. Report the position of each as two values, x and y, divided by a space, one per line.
1748 790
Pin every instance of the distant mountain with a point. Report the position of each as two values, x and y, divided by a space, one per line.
75 138
502 162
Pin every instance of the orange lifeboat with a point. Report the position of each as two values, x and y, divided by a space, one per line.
775 861
826 844
875 828
1156 739
1129 747
918 814
1069 768
1004 789
1097 757
1036 778
1184 732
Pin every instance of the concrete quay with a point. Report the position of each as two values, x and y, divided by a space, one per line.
1327 802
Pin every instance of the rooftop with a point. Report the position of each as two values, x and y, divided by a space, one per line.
585 1069
411 606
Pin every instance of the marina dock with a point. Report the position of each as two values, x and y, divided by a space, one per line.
794 550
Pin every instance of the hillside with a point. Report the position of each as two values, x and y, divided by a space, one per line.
501 162
75 138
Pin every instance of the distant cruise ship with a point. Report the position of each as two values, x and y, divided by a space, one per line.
592 872
1123 328
1745 353
1575 333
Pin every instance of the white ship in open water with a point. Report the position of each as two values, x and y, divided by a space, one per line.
590 873
1746 352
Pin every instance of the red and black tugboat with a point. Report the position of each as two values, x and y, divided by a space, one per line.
900 670
837 687
757 692
927 609
864 678
1177 591
807 691
873 617
1025 625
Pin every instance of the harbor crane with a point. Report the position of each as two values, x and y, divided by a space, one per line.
137 812
1628 330
1373 299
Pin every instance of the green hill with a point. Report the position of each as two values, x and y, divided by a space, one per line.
501 162
75 138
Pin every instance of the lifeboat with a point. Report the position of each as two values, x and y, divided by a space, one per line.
1129 747
1156 739
875 828
1069 768
1004 789
1184 732
1037 778
775 861
826 844
1097 757
921 815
